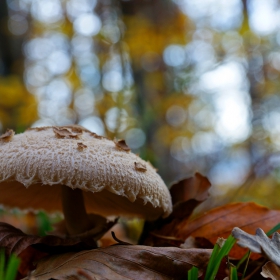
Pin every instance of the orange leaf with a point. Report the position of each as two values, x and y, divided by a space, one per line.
219 222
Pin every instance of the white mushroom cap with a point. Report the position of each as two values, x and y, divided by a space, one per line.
114 180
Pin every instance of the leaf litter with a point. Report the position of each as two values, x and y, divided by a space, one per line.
124 261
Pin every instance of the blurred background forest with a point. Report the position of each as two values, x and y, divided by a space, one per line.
190 85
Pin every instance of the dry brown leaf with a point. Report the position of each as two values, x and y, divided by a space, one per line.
99 226
271 270
140 167
31 248
186 195
81 146
191 188
121 145
260 243
8 135
220 221
124 262
67 132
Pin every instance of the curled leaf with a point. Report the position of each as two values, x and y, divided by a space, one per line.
31 248
99 226
121 145
190 188
260 243
186 195
140 167
271 270
8 135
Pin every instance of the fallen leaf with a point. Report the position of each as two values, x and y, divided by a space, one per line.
260 243
31 248
190 188
220 221
271 270
140 167
99 226
121 145
186 195
8 135
124 262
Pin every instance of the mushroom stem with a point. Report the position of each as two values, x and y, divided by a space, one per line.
74 211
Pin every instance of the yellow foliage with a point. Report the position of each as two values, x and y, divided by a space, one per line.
12 91
18 108
144 36
73 78
166 134
27 111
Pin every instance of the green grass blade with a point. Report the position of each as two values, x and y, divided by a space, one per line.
277 227
233 273
246 265
2 263
211 263
12 268
243 259
215 264
193 273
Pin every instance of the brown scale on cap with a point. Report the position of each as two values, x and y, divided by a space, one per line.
81 146
96 135
140 166
64 132
8 135
121 145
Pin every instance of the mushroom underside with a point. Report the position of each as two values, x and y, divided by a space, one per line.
48 198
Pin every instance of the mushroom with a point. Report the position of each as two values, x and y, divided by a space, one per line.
73 170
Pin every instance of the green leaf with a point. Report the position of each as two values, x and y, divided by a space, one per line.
2 263
193 273
12 268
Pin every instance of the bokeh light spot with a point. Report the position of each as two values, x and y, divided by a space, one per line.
135 138
87 24
176 115
93 124
174 55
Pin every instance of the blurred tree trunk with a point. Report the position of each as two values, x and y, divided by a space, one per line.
159 14
6 57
